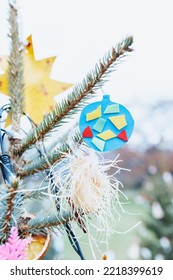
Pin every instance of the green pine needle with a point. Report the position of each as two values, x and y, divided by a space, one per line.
43 163
15 71
77 98
48 221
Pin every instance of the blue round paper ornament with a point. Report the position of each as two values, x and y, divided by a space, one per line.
106 125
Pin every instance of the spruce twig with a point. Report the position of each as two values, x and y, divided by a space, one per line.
36 194
41 164
11 208
7 225
12 203
3 210
15 71
76 99
48 221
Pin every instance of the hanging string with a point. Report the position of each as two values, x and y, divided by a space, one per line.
7 171
103 92
71 236
5 162
3 109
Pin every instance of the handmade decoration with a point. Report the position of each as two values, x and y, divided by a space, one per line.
86 187
76 183
29 248
106 126
38 246
40 90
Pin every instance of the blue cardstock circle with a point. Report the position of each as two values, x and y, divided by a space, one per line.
111 144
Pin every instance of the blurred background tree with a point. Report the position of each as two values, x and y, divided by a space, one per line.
149 185
156 234
150 153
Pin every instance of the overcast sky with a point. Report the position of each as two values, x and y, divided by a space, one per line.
79 32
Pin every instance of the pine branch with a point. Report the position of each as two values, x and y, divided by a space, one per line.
36 194
10 201
3 211
42 163
10 209
15 71
77 98
48 221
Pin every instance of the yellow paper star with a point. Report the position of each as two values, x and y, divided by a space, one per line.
40 90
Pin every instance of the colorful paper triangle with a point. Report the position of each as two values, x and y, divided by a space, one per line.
87 133
123 136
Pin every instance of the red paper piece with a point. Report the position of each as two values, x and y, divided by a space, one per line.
123 136
87 133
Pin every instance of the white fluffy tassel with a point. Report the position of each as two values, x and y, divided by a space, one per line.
86 188
84 180
88 184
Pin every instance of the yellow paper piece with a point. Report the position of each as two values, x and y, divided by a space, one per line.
106 135
39 88
119 121
94 114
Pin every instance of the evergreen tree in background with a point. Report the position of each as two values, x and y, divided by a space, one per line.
156 235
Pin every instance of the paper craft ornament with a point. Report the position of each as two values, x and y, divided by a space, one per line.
40 89
105 125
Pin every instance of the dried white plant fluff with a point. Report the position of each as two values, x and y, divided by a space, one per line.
86 186
89 186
